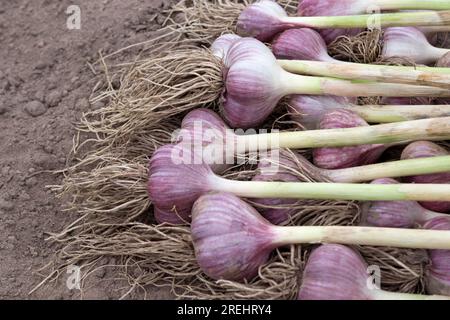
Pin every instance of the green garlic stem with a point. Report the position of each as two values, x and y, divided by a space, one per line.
371 236
401 19
394 169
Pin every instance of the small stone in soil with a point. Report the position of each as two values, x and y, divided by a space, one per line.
3 109
53 98
6 205
35 108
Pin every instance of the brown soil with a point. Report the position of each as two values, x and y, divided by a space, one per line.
45 83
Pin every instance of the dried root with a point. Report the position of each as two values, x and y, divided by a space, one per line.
363 48
205 20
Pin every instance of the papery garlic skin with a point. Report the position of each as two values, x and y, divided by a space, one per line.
438 272
424 149
235 248
301 44
346 157
410 43
335 272
221 45
309 110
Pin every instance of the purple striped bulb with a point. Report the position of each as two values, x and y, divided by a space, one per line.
262 20
301 44
438 273
177 178
309 110
252 81
347 157
222 44
395 214
409 43
323 8
204 132
230 238
425 149
335 272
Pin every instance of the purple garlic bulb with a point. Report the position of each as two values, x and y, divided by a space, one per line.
205 133
253 84
177 178
424 149
262 20
403 101
309 110
323 8
395 214
221 45
347 157
335 272
410 43
301 44
231 239
438 273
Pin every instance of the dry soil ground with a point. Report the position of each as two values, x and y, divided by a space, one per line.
45 83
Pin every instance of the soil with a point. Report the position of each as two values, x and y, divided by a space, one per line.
45 84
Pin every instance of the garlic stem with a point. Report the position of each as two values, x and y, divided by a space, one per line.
398 113
402 19
438 77
298 84
436 129
411 4
334 191
371 236
392 169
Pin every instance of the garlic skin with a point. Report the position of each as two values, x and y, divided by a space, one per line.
424 149
444 61
262 20
438 272
346 157
314 8
410 43
165 189
309 110
301 44
335 272
222 44
253 84
235 248
394 214
204 132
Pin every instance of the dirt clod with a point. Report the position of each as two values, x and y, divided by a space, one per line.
35 108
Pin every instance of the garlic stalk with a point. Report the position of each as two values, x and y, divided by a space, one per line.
232 240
